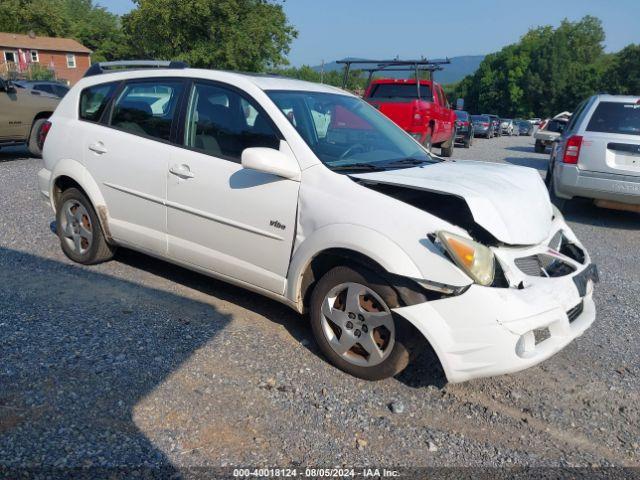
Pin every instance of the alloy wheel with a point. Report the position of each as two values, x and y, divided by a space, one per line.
76 228
358 324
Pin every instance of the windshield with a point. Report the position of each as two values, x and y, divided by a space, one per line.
479 118
462 115
346 132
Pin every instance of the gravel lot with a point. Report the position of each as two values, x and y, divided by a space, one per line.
137 362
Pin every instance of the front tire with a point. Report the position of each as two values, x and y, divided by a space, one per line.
79 230
354 327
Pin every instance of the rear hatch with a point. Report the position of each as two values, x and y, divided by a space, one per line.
399 101
611 141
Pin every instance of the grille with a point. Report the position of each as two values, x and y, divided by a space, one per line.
575 312
529 266
543 266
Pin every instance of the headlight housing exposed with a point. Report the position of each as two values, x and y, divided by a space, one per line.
473 258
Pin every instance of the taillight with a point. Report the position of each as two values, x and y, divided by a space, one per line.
465 124
42 134
485 124
572 149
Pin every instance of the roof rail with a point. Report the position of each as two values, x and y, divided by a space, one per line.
104 67
394 65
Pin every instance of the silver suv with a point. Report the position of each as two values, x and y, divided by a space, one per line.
598 154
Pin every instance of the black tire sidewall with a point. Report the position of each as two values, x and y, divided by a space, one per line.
90 256
399 357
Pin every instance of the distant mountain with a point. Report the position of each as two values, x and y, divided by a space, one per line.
459 68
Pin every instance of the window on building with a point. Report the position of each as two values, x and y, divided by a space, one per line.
10 57
71 60
34 56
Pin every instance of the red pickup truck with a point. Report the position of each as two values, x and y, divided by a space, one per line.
425 115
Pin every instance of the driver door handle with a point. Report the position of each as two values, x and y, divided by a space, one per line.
98 148
182 171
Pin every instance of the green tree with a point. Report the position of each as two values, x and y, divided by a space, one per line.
91 25
96 28
42 17
547 71
622 74
249 35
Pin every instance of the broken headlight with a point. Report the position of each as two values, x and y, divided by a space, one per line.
473 258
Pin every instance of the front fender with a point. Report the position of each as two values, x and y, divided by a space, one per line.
370 243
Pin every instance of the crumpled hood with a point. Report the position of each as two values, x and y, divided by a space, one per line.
510 202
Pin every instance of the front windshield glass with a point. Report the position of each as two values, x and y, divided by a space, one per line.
346 132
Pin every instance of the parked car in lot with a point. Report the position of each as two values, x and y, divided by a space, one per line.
535 121
464 128
524 127
495 121
52 88
305 194
482 126
427 118
22 115
507 127
548 133
598 154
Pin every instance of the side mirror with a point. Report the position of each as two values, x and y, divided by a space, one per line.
274 162
9 87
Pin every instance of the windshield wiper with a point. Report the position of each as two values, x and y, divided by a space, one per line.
367 167
408 161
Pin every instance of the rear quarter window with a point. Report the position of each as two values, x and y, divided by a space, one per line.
94 100
616 117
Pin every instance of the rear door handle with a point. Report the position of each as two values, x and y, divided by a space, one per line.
98 148
182 171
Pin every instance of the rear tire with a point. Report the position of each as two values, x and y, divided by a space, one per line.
539 147
446 149
427 142
557 201
335 326
34 148
79 229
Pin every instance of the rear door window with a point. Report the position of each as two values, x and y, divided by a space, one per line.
148 108
616 117
94 100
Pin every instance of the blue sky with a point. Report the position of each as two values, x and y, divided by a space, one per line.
334 29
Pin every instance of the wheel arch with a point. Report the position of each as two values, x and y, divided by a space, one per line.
343 245
72 174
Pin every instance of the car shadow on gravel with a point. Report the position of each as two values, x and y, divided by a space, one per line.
272 310
522 148
584 211
9 154
79 350
539 163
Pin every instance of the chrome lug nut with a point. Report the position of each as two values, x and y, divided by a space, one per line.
365 329
361 317
357 333
349 325
352 315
